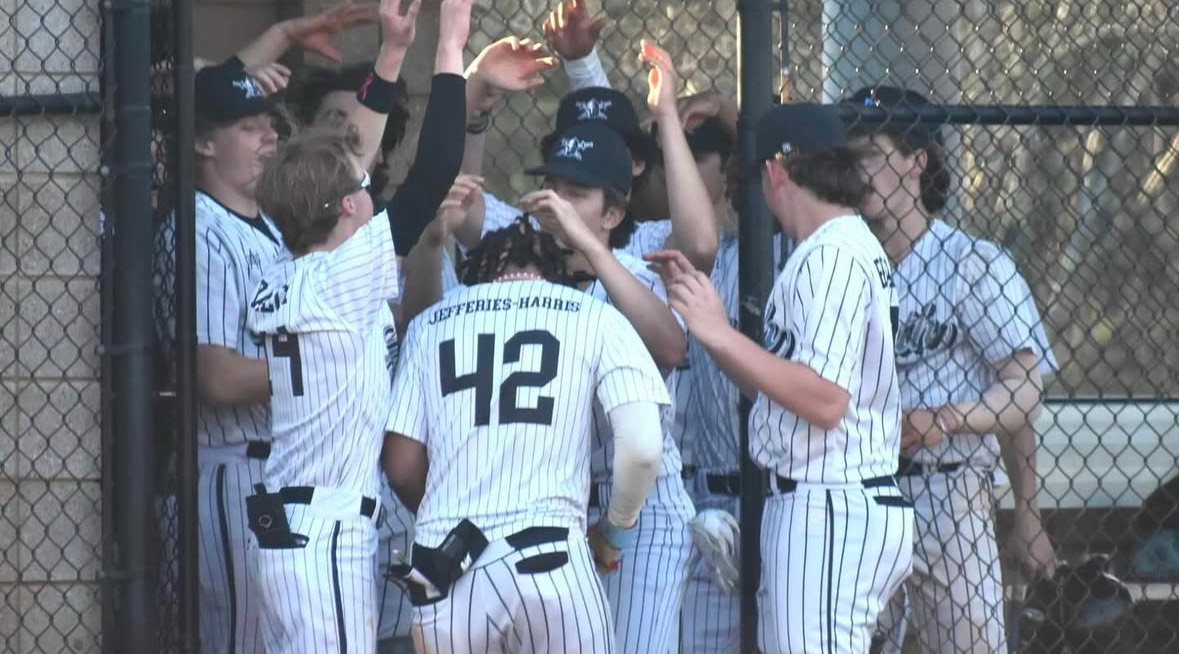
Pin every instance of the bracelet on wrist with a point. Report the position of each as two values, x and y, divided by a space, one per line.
377 93
479 123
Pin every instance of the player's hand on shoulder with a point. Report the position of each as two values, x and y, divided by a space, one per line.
570 30
690 293
606 542
662 81
399 21
454 25
453 210
510 65
314 33
557 217
273 78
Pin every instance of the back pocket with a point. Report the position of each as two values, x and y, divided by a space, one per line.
546 562
893 500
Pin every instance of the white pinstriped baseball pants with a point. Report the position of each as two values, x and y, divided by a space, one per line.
230 618
646 593
711 619
499 605
832 556
320 598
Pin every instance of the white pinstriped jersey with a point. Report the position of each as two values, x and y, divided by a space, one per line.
963 308
231 253
712 410
830 309
602 462
330 340
500 381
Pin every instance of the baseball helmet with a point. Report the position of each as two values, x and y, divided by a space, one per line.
1082 609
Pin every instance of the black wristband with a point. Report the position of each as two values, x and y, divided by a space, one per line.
377 94
479 123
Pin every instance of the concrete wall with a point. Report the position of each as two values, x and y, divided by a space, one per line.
50 500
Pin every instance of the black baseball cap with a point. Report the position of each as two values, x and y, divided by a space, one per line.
608 106
799 128
226 93
892 96
590 154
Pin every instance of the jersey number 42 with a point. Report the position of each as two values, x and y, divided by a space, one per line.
481 379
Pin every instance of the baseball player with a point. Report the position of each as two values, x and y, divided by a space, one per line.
836 533
234 241
587 176
495 400
970 351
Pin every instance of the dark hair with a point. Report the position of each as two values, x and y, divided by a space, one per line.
832 175
935 178
303 185
307 94
620 235
520 245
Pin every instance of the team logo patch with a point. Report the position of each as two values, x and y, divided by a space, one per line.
922 332
593 109
572 147
249 88
392 348
775 338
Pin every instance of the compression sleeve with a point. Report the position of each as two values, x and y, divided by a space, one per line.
638 447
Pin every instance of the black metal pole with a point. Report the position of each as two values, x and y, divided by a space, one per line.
183 103
1041 115
754 89
131 352
50 104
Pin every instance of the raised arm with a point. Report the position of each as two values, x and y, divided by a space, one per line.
573 34
694 228
440 143
311 33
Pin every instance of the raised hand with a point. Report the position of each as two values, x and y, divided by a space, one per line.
557 217
700 108
570 31
273 78
690 293
453 209
314 33
662 81
398 29
512 64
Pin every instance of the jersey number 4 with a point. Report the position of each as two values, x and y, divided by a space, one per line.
481 379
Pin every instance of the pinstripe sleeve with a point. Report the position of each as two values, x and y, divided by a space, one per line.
407 414
361 274
626 372
219 295
998 307
833 290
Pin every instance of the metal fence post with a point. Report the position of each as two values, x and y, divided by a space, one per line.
131 349
756 271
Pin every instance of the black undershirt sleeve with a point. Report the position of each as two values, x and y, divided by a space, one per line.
437 162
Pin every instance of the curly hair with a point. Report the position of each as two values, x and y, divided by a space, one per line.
520 245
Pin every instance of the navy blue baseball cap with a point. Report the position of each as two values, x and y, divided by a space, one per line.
891 96
799 128
610 107
590 154
226 92
708 136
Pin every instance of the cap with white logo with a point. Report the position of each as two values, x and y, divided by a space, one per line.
590 154
226 93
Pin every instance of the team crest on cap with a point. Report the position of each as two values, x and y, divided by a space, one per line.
786 148
572 147
593 109
249 87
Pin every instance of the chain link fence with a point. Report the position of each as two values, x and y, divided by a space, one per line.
1080 200
51 495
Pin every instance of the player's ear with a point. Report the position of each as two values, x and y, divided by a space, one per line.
920 161
203 146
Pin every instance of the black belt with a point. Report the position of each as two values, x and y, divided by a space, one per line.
258 450
910 468
594 500
687 472
787 485
722 484
303 495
